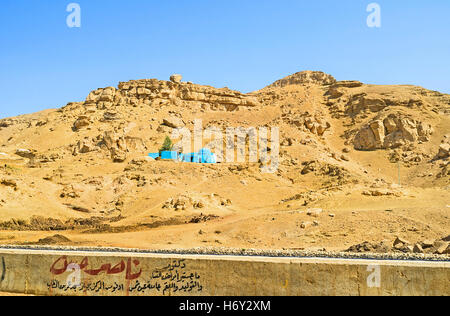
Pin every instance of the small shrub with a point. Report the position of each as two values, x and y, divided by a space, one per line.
167 146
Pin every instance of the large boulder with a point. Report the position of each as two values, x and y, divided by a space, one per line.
176 78
444 151
392 131
135 144
84 146
119 145
173 122
317 126
82 121
26 153
6 123
307 122
104 94
116 145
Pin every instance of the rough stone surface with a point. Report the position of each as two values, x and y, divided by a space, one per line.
82 121
117 146
444 151
392 131
139 92
173 122
305 77
47 273
176 78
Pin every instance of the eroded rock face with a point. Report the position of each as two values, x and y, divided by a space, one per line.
308 123
173 122
347 84
337 90
360 103
316 126
153 92
444 150
195 201
392 131
117 146
84 146
5 123
176 78
103 94
81 122
26 153
305 77
135 144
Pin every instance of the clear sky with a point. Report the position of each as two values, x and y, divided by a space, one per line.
242 44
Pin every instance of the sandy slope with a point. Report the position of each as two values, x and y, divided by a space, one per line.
82 170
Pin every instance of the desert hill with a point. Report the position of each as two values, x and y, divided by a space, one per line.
374 160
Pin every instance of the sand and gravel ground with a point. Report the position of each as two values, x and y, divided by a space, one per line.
80 172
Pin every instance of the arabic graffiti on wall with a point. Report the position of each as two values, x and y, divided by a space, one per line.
62 265
170 279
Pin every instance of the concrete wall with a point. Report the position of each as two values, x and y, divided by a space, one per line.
97 273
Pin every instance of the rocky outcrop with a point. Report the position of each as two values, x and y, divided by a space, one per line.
153 92
363 102
196 201
109 94
26 153
444 149
392 131
337 90
307 122
445 171
9 183
303 78
383 192
135 144
119 145
317 126
400 245
347 84
116 145
173 122
5 123
81 122
84 146
176 78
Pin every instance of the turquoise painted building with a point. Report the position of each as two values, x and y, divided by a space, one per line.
205 155
169 155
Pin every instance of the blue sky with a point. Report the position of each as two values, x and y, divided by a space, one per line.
242 44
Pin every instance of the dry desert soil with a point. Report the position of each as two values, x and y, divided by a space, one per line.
363 168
